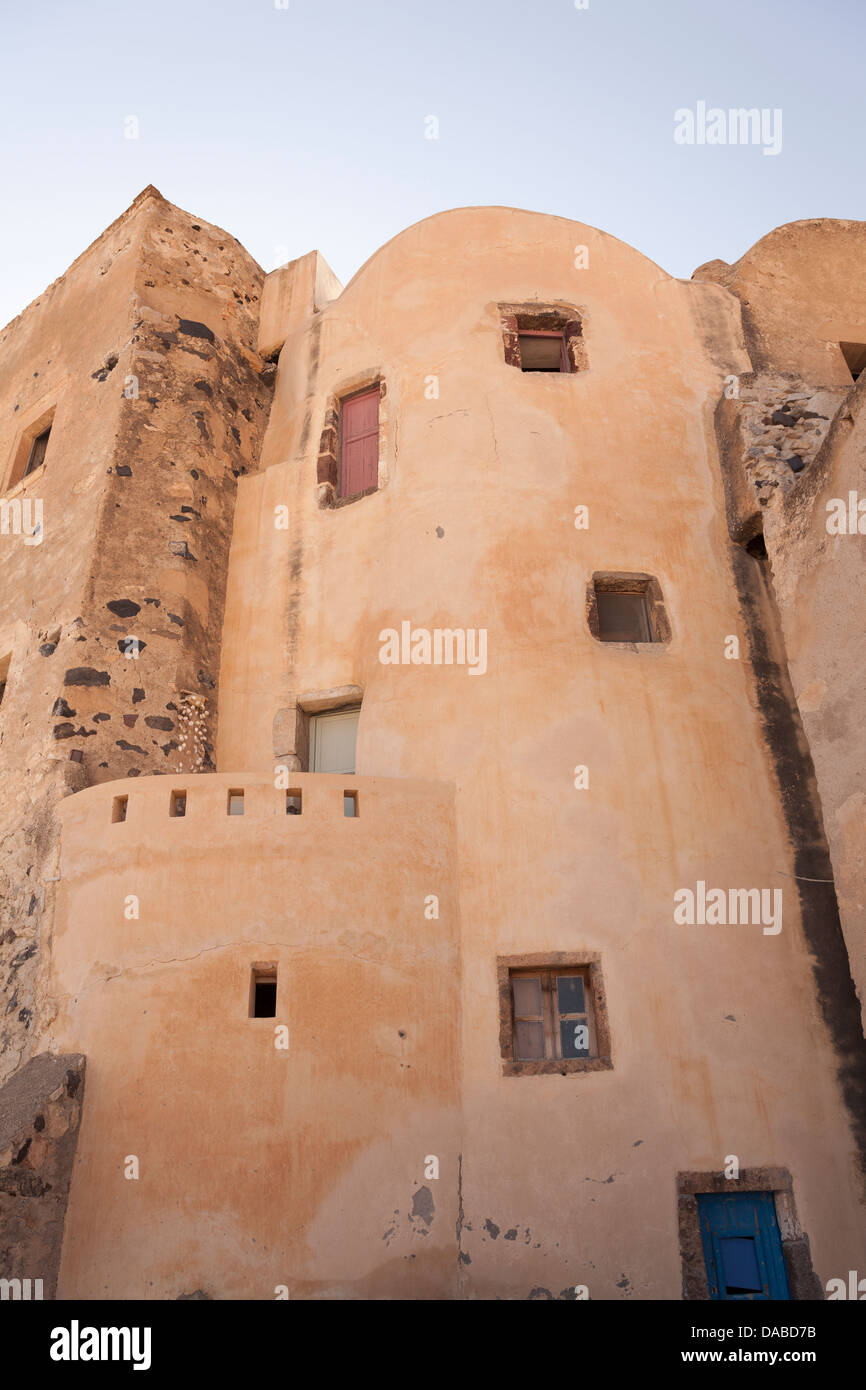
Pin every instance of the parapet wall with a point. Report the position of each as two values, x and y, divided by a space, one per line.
261 1165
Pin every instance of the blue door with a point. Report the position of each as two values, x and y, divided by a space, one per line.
742 1246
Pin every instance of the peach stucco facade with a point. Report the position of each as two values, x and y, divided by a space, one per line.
548 806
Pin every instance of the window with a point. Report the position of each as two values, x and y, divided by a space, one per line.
235 805
623 616
263 991
177 805
294 803
552 1015
4 674
627 608
118 809
542 352
855 358
36 457
543 338
359 443
350 804
332 740
742 1247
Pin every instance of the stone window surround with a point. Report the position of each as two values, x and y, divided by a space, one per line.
35 421
292 723
328 465
556 1066
803 1282
544 317
622 581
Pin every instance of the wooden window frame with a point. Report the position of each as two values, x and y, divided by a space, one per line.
550 965
564 365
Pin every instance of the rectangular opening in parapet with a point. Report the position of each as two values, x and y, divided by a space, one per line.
294 803
855 358
177 805
118 808
542 351
350 804
235 803
263 990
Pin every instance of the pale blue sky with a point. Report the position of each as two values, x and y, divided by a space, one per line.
305 127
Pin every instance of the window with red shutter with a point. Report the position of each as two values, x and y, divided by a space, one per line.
359 443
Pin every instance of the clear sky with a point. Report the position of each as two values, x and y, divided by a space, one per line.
304 126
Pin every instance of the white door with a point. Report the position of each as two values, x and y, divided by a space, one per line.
332 740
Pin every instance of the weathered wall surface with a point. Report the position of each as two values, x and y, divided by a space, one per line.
145 350
473 527
802 293
40 1113
259 1166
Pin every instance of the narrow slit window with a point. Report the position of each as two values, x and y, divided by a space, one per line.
178 804
294 803
235 806
263 991
350 804
36 457
4 675
118 809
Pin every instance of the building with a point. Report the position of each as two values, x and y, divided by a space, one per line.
432 735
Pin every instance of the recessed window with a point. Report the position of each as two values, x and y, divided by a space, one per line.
4 674
359 444
263 991
36 456
118 809
623 617
552 1016
855 358
235 806
543 338
333 735
294 803
542 352
742 1247
350 804
627 608
177 805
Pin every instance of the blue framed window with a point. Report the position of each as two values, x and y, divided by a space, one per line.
742 1247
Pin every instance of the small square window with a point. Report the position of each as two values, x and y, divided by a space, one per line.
294 804
118 809
623 617
263 991
552 1016
542 352
177 806
627 608
235 805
